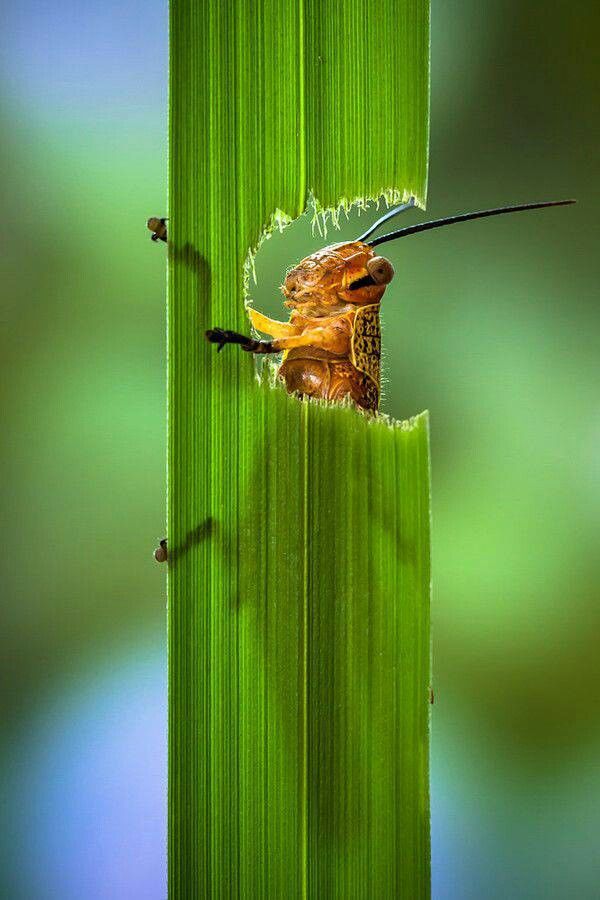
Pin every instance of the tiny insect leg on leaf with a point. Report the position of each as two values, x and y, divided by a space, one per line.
161 553
158 227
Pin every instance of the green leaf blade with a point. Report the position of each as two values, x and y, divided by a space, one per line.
367 90
298 533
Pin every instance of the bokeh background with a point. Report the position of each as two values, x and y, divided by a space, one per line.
493 326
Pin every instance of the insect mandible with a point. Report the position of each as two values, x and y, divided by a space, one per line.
331 344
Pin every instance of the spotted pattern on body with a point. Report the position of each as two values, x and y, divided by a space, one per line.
366 347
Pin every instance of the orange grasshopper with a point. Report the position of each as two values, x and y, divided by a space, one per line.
332 343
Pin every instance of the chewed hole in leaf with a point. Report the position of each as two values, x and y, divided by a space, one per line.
285 243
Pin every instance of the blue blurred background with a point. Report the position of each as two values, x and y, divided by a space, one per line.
493 327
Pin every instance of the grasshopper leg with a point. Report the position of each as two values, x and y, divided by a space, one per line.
221 336
161 552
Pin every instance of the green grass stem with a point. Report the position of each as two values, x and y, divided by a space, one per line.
299 575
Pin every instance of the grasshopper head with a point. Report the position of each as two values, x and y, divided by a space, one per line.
336 276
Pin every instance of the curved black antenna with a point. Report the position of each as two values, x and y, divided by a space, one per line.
464 217
390 214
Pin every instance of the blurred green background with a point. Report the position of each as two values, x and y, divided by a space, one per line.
492 326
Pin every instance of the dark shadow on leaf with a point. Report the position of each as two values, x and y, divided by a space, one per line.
191 258
194 537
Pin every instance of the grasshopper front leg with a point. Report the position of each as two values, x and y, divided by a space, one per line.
272 326
324 338
220 337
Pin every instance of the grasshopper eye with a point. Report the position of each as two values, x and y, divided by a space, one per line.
380 269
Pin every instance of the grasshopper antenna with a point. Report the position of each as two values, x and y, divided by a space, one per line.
390 214
464 217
